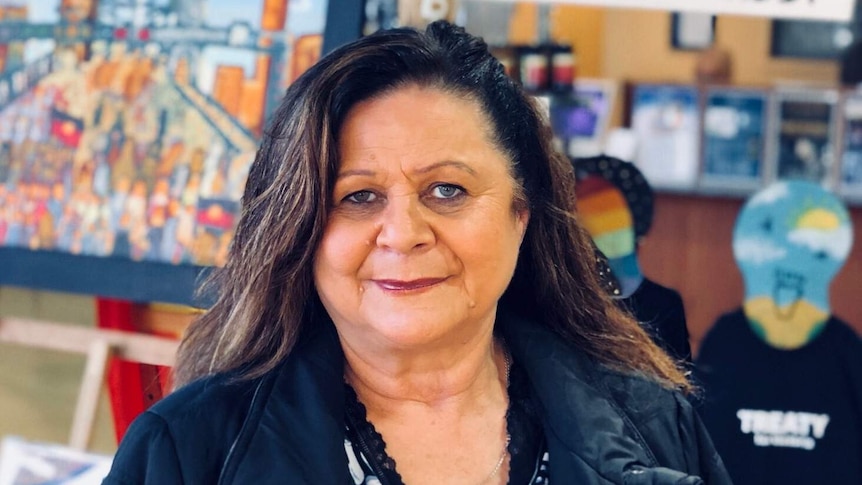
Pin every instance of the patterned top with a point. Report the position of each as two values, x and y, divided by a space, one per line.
528 457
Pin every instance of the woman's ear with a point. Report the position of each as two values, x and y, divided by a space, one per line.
522 220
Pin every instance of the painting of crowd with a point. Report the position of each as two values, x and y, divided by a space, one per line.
119 151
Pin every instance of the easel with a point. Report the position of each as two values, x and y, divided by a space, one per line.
99 345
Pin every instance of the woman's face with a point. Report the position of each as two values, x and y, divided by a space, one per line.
423 237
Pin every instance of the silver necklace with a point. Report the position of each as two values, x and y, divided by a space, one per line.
505 451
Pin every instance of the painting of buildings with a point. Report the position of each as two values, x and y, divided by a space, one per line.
127 126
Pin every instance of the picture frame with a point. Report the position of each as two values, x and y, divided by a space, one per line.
581 118
735 128
803 137
805 39
665 120
125 183
850 165
692 30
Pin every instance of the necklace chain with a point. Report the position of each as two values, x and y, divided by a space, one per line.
505 451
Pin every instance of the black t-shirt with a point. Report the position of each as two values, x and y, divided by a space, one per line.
661 313
783 416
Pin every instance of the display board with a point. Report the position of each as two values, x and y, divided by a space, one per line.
126 133
850 173
734 133
748 138
810 40
804 135
665 119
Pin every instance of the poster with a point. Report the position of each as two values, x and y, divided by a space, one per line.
665 119
127 128
804 135
734 133
581 117
850 180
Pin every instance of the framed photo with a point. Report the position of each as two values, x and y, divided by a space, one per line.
809 39
580 118
380 14
692 30
734 133
665 119
850 168
803 139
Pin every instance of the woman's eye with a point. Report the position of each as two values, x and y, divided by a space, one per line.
361 197
446 191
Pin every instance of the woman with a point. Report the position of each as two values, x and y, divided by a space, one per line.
409 299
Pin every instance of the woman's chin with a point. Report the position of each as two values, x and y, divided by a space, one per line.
412 331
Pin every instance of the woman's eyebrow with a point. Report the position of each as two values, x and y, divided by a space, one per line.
422 170
356 172
446 163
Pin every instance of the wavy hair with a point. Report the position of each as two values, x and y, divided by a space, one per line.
265 292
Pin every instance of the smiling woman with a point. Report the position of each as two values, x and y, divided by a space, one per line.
409 298
423 235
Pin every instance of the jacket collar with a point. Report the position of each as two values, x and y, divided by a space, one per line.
590 439
300 427
299 437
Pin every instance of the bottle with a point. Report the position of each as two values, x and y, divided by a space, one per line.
534 72
563 68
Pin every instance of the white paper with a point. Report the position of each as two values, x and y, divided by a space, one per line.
27 463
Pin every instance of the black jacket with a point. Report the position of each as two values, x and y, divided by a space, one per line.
287 427
662 314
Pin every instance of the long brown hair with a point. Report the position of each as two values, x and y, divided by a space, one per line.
265 292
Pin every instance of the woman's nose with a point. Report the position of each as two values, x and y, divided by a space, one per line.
404 227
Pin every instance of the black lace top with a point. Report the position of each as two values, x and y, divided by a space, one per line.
528 464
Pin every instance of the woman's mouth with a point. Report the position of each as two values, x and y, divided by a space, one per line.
402 286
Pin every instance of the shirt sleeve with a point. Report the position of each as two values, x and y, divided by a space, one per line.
147 455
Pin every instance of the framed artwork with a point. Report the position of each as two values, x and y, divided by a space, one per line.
580 117
126 134
665 119
809 39
692 30
850 168
379 14
734 134
803 141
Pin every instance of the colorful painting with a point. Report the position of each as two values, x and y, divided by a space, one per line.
127 127
790 240
616 207
606 216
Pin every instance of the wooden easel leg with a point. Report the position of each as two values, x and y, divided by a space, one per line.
88 396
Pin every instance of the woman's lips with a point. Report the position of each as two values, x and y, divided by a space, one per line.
408 286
